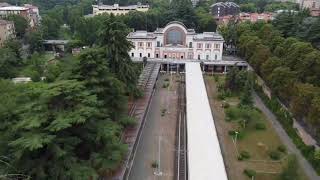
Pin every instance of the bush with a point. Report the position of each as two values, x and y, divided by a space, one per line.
260 126
225 105
154 164
216 78
245 155
166 79
165 85
274 155
250 173
282 149
128 121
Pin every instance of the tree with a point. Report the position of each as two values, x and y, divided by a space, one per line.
291 171
8 63
15 46
114 41
282 80
50 27
268 66
248 7
94 71
35 41
20 24
58 131
302 98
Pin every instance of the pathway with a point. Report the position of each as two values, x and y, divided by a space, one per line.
308 169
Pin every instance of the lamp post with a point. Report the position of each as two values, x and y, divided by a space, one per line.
235 142
158 172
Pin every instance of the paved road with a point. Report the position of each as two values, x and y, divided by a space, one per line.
155 126
310 172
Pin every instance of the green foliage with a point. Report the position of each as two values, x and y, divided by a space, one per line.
274 155
260 126
35 41
250 173
8 63
244 155
20 24
128 121
290 172
282 149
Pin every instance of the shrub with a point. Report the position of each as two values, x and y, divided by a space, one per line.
216 78
154 164
282 149
221 96
165 85
225 105
274 155
260 126
245 154
166 79
128 121
250 173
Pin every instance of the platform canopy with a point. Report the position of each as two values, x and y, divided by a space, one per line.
205 161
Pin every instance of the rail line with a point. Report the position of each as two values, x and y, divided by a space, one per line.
181 166
131 136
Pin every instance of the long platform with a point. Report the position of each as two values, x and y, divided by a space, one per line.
205 161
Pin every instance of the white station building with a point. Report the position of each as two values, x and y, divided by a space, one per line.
175 41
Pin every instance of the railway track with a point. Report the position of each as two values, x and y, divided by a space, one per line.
138 110
181 135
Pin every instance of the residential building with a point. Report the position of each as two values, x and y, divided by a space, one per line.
6 31
118 10
30 12
224 8
242 17
312 5
175 41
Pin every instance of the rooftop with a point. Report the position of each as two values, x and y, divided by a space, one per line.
208 36
205 161
226 4
141 35
116 6
13 8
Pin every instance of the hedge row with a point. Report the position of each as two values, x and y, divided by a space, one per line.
286 120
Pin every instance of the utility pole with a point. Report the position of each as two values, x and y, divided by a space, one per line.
158 172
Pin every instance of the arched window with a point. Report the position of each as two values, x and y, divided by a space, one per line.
174 37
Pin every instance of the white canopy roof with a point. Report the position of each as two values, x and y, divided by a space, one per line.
205 161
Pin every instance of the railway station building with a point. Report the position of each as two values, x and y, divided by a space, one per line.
176 41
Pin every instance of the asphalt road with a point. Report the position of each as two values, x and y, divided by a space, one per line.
156 127
308 169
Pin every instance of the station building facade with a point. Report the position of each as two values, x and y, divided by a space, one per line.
175 41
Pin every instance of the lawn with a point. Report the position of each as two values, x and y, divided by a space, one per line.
256 140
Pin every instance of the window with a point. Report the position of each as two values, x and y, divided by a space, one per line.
140 54
181 57
208 46
148 54
149 44
157 55
158 43
190 44
217 46
215 57
199 56
174 37
165 56
199 45
207 57
132 54
140 44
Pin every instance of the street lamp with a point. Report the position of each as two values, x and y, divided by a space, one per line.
235 141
